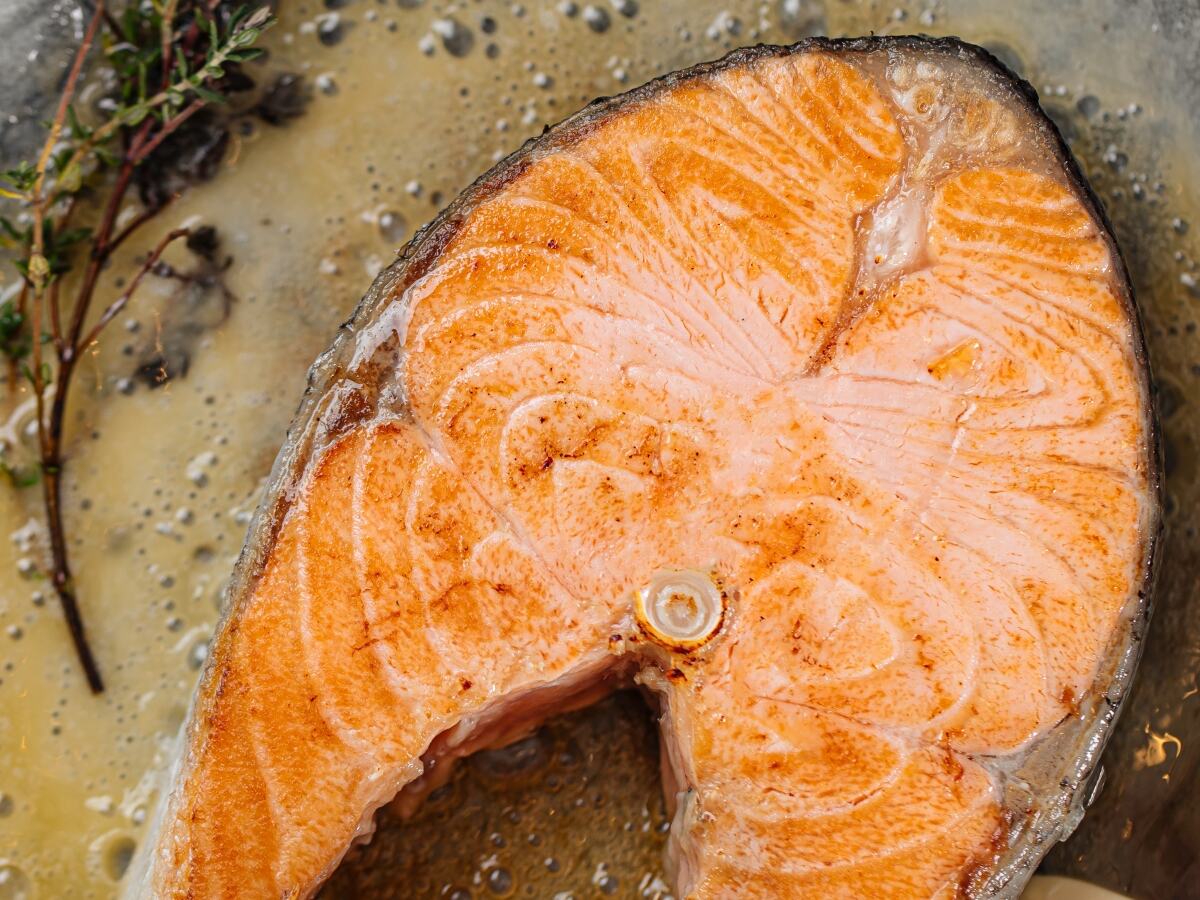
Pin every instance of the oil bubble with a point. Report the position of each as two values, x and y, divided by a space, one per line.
1006 55
14 883
197 655
392 226
515 759
801 18
1089 105
456 37
500 882
597 19
330 30
117 854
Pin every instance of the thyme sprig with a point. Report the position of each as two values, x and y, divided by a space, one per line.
170 59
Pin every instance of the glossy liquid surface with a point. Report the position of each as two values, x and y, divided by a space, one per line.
409 102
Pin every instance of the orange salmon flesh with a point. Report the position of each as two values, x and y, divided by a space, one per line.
834 336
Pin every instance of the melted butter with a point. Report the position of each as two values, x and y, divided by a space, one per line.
162 480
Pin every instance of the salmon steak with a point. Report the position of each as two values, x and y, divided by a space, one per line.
804 390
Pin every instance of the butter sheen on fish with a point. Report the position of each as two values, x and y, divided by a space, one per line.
803 389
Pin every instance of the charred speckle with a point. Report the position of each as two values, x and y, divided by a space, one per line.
161 368
466 684
201 302
204 242
190 155
286 98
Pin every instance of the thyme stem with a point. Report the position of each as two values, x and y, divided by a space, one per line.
193 54
48 433
117 305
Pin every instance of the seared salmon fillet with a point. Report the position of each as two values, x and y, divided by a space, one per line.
803 389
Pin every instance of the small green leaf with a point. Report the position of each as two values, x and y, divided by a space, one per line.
135 115
72 236
261 19
14 336
244 55
20 237
20 478
238 15
208 96
21 177
129 23
71 180
78 130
